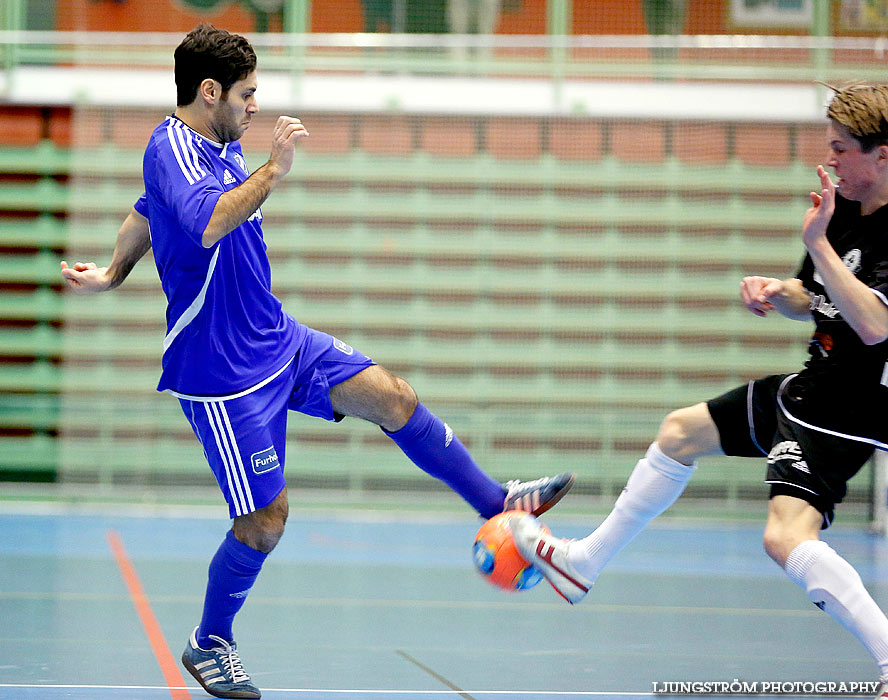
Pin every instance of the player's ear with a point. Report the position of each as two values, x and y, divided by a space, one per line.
209 90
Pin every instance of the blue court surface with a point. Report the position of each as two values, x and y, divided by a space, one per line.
369 605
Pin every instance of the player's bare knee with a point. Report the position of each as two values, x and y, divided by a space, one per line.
404 403
673 437
262 534
263 528
777 543
770 542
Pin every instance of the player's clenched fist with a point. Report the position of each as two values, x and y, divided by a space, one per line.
287 131
289 128
757 291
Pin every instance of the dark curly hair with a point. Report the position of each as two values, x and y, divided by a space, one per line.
207 52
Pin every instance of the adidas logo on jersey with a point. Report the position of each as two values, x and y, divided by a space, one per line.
228 178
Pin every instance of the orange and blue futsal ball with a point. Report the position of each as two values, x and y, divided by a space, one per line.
497 558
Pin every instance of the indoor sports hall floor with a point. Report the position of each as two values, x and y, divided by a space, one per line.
371 605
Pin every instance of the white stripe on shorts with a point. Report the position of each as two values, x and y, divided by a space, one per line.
240 463
235 486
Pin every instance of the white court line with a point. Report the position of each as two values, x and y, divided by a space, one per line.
338 691
335 691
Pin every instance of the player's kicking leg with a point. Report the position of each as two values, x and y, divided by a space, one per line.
571 566
380 397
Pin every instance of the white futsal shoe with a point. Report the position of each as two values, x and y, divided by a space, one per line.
548 555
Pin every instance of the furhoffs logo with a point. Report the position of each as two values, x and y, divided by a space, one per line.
264 461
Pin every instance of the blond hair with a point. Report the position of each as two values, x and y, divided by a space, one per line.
862 108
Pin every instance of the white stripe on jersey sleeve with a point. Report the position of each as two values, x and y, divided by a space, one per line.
184 149
191 152
194 308
171 137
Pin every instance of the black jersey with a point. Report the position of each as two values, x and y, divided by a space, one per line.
848 377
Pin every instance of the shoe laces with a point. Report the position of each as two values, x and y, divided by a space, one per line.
230 660
514 485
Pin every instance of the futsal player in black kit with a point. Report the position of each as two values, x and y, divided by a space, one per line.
816 427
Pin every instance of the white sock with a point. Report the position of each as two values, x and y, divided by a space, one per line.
654 485
835 587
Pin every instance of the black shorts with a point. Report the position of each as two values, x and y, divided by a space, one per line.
805 459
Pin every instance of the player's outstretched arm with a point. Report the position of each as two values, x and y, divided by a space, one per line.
133 241
238 204
788 297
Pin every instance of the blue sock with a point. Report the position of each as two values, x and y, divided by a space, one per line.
431 445
232 573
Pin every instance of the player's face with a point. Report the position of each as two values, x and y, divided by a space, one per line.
857 173
232 113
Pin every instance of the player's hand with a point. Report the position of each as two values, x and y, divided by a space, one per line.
86 278
823 205
287 132
756 293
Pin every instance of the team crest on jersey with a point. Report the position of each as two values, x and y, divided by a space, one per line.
241 162
228 178
852 260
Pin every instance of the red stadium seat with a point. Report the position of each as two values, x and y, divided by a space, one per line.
638 141
575 139
509 138
449 136
328 133
388 135
757 144
21 126
704 143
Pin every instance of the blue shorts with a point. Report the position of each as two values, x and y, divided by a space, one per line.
244 435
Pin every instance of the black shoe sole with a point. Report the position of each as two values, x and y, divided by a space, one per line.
557 497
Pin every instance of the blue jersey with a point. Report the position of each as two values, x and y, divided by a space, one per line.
226 331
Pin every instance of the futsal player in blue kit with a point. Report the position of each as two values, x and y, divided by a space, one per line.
234 359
